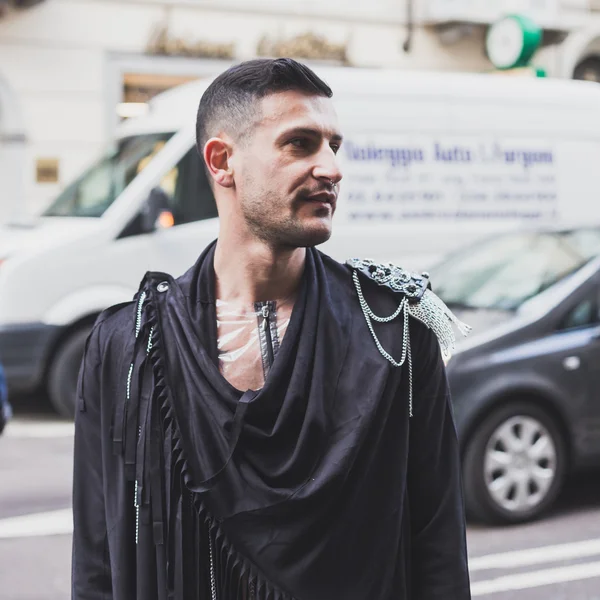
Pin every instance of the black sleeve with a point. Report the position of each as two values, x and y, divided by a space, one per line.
438 559
91 577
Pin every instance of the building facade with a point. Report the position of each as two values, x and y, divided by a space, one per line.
71 69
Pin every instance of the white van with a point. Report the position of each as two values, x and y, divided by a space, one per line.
430 161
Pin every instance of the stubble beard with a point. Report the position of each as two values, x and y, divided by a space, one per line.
260 215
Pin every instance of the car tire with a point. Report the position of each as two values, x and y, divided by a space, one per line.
64 372
510 482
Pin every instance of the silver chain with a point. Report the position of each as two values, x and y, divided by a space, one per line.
213 584
369 315
410 380
406 354
129 375
367 309
149 347
137 513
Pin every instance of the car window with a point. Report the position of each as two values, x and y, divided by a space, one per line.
183 195
503 272
101 184
585 313
187 193
195 200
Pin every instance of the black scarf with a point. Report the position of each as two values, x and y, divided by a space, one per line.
297 491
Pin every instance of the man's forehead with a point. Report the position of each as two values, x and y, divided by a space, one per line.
293 109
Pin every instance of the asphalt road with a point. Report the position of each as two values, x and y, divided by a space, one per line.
557 558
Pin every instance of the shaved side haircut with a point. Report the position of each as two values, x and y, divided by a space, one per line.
231 101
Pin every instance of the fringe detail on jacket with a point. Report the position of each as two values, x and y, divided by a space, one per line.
194 558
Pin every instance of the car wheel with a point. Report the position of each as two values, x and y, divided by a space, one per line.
64 372
514 465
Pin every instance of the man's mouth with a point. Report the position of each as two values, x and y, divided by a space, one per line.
323 198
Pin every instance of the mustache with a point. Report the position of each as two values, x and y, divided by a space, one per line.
327 188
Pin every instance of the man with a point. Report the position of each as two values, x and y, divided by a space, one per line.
273 424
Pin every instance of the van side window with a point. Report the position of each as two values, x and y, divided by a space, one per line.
585 313
183 191
193 199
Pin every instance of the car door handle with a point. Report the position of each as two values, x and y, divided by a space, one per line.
571 363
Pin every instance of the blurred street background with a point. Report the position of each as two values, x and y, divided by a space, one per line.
472 150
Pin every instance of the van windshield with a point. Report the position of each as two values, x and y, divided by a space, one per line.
101 184
503 272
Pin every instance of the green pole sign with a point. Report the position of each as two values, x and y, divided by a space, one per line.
512 41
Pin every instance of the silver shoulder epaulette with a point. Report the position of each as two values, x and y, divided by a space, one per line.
417 300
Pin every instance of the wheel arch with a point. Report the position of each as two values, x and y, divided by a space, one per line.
77 310
536 397
65 333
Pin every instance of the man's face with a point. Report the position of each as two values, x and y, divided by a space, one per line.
286 171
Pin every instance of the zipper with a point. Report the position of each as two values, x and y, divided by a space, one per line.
138 321
266 313
138 326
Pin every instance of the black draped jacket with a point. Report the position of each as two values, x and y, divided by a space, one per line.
320 486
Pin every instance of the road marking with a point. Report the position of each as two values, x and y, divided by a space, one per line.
35 429
536 579
56 522
60 522
535 556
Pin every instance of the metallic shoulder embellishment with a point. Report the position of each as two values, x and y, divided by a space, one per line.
397 279
416 300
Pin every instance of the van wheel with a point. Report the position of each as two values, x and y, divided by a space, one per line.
514 465
64 372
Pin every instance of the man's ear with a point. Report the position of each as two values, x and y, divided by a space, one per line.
217 155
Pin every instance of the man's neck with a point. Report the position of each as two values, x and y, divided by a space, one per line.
251 271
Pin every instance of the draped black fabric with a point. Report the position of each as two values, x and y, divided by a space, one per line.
317 487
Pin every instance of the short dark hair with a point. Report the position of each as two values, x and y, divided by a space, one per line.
231 99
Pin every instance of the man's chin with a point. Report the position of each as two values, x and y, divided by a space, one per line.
307 238
315 237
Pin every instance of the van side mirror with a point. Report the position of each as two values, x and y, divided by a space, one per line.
156 212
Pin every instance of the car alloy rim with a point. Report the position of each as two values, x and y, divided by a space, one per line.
519 464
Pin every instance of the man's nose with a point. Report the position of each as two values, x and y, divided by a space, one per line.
327 167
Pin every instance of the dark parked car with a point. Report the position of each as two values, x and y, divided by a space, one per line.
526 384
5 409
